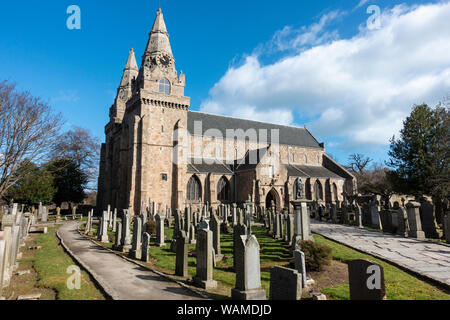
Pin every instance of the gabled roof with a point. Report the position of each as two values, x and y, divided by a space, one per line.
251 160
295 170
198 165
288 135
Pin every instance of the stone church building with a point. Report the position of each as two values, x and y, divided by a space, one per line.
156 148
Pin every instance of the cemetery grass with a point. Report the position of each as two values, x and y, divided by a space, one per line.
399 284
51 263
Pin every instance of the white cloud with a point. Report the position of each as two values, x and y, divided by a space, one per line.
359 89
66 96
361 3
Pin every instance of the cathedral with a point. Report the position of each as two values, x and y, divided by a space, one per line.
157 148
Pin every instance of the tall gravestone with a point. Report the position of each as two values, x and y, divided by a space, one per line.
289 228
402 222
358 217
2 261
181 261
285 284
300 265
160 239
7 228
374 215
103 229
214 226
136 247
238 231
334 217
248 270
234 214
415 225
428 221
366 280
126 233
114 222
145 256
302 229
118 238
205 260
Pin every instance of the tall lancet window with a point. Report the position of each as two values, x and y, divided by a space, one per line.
164 86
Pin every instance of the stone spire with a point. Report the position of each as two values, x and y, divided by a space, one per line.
125 90
159 38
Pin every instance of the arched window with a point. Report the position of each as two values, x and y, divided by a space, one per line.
318 190
194 189
164 86
223 189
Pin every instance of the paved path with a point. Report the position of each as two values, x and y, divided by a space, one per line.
431 260
121 279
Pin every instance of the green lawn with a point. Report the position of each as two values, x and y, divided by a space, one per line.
399 284
51 263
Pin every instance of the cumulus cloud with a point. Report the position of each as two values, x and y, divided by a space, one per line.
358 90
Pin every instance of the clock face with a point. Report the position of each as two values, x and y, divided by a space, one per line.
165 60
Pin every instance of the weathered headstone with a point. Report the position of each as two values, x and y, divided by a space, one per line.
181 262
145 247
358 217
289 228
103 228
205 262
285 284
374 215
366 280
44 214
126 233
334 217
302 230
160 238
115 221
136 247
118 239
238 231
386 220
428 220
2 261
214 226
234 215
402 222
248 270
415 225
300 265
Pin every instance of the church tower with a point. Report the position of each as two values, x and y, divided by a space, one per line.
156 108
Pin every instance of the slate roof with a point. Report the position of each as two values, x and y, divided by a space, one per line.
288 135
201 166
310 172
251 159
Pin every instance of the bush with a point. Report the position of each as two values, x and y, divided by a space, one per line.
150 227
316 255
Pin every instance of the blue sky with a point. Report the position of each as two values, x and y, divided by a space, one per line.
257 59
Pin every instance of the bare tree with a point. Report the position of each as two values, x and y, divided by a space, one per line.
78 144
28 131
358 162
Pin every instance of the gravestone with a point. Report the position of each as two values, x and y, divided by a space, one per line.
276 227
300 265
447 227
2 261
402 222
15 246
44 214
238 231
427 220
302 229
74 213
103 230
214 226
234 215
126 232
160 240
118 239
248 270
289 228
7 228
181 262
88 223
334 218
374 216
285 284
358 217
366 280
145 247
136 247
415 225
115 221
386 220
205 260
203 225
345 214
110 222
